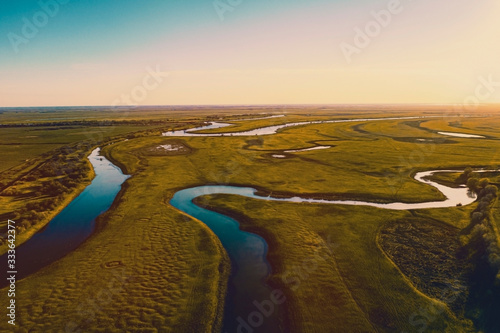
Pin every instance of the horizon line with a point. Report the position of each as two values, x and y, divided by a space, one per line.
246 105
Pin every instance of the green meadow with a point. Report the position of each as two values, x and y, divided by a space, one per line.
342 268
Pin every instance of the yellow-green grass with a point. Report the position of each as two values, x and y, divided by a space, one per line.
100 114
240 126
473 125
144 113
16 116
335 277
250 167
10 204
23 143
23 115
22 149
379 168
156 242
398 129
452 179
170 274
293 116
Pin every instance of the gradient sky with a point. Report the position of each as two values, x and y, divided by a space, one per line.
98 52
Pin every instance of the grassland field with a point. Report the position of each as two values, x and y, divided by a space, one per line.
173 270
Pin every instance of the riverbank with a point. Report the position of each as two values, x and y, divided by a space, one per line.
212 129
27 234
303 265
225 272
212 323
198 195
210 318
146 267
450 196
273 256
333 283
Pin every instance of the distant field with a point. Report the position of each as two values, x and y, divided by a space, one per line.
22 143
16 115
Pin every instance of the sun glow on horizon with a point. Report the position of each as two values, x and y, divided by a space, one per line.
427 52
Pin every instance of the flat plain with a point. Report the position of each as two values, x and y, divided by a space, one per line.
342 268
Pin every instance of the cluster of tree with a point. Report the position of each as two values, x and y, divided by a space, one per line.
92 123
482 241
214 117
480 245
480 186
49 184
481 231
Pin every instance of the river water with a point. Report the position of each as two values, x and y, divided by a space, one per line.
268 130
73 224
462 135
247 251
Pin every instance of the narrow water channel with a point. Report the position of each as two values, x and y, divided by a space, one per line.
73 225
249 267
268 130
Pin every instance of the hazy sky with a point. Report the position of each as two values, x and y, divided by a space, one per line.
102 52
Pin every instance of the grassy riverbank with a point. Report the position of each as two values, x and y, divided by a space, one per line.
27 234
336 278
147 266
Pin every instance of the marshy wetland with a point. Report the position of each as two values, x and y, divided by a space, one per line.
295 220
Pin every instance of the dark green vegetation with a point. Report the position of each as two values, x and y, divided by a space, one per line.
481 248
428 253
25 144
33 196
342 268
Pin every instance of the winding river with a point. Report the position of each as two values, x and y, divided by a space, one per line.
250 269
268 130
248 251
74 224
